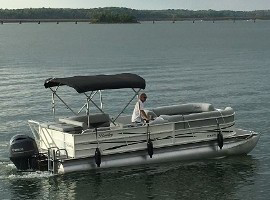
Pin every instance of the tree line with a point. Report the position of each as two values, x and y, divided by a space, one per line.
126 15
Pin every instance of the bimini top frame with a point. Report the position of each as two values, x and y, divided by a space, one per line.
95 84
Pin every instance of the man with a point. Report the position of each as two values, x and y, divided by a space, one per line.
138 113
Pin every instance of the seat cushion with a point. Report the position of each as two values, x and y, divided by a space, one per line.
65 127
96 120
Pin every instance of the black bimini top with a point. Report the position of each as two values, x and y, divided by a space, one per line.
98 82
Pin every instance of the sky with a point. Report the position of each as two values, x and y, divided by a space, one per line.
245 5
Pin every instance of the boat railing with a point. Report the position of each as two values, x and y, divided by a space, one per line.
215 119
154 131
34 126
53 157
217 124
41 135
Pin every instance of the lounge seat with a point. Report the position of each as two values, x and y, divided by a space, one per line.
96 120
202 119
192 115
210 118
63 127
183 109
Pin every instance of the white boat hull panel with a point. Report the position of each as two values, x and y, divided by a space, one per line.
242 143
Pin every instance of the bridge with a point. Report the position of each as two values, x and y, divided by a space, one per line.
193 19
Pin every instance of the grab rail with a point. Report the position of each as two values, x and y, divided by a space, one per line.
52 161
215 117
58 153
44 134
32 125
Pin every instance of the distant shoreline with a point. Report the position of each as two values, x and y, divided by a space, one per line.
4 21
115 15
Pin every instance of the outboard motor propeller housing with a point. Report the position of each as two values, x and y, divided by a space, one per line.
23 152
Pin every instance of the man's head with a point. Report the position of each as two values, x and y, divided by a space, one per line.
143 97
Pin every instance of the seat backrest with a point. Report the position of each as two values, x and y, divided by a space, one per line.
184 109
201 119
210 118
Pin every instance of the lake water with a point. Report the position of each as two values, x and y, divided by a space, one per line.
223 63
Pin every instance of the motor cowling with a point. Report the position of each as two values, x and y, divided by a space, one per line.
23 152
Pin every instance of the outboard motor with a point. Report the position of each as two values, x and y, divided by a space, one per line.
23 152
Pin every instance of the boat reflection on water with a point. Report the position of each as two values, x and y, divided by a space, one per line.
25 188
210 179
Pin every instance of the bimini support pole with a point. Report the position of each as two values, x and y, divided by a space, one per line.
53 105
88 112
53 100
136 93
54 92
90 96
87 104
90 100
100 99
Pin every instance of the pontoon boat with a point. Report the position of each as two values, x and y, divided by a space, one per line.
98 140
